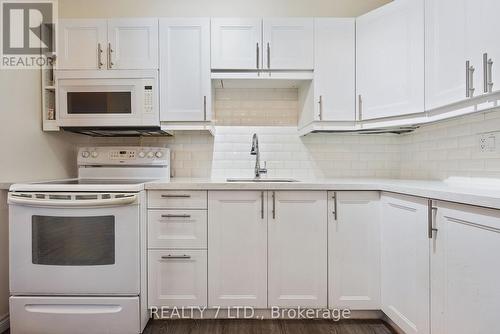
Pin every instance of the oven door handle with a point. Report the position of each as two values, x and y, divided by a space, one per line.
72 203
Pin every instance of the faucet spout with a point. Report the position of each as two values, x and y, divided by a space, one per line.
255 151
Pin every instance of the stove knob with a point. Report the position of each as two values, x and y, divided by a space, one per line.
150 155
142 154
85 154
159 154
94 154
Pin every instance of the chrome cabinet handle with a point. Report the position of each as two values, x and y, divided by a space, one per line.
205 107
173 257
360 107
99 56
320 102
268 56
430 221
110 51
335 206
274 205
262 204
258 52
487 73
176 196
176 216
469 86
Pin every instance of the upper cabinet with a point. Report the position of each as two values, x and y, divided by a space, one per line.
334 69
390 60
83 43
288 43
185 69
236 43
445 52
461 50
133 43
88 44
256 44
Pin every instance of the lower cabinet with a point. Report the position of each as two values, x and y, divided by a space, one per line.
354 250
297 259
465 267
177 278
237 260
405 262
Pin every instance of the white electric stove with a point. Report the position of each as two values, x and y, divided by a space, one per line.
78 246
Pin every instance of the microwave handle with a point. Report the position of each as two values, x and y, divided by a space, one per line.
72 203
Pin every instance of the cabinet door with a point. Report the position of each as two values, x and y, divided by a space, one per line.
465 270
297 264
445 53
288 43
177 229
177 278
334 69
390 60
185 69
483 29
354 250
236 43
405 262
133 43
80 43
237 239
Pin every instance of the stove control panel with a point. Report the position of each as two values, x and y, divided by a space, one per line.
136 155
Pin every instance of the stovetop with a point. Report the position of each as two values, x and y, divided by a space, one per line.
96 181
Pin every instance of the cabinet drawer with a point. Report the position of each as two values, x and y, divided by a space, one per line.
177 278
177 199
177 229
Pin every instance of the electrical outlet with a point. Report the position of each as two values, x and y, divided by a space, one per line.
488 142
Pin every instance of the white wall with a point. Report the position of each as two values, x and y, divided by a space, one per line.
258 8
26 152
4 249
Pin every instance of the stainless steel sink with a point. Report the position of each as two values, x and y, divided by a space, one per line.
261 180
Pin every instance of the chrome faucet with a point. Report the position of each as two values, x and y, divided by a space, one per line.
255 151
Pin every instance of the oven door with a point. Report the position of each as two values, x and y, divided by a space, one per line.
107 102
74 243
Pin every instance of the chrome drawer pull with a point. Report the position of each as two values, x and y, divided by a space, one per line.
175 257
176 196
175 216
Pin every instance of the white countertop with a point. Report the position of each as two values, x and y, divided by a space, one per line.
480 192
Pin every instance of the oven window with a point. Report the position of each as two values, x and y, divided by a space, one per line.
99 103
73 241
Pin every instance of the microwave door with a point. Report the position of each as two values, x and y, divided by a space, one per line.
94 103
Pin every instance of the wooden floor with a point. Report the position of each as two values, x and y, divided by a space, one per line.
267 327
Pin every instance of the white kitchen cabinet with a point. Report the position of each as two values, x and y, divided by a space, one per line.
288 43
81 41
390 60
177 278
237 272
465 270
446 52
236 43
334 69
185 69
297 246
92 44
405 262
482 33
354 250
133 43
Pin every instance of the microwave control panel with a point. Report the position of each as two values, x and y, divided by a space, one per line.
148 99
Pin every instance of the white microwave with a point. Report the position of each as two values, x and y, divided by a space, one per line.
107 98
